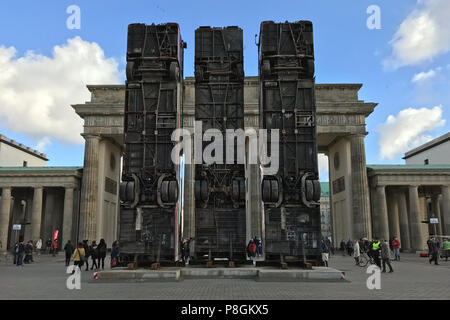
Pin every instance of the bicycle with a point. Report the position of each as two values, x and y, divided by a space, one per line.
365 259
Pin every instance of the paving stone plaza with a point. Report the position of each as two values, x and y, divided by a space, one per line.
413 278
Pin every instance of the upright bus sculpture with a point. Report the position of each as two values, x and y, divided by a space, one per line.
219 104
149 217
287 103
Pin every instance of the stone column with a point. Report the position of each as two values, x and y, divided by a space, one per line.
360 189
383 221
36 214
446 209
394 225
405 240
89 189
5 210
67 215
417 241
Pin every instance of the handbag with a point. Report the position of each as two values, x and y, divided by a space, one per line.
113 262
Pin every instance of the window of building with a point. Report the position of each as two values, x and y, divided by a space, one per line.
25 163
426 161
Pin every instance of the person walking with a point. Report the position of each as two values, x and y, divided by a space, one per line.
79 256
48 246
186 251
15 252
433 250
385 256
114 253
396 246
259 247
101 249
39 247
325 253
94 254
28 252
446 249
356 251
342 246
68 249
20 253
251 251
349 247
55 247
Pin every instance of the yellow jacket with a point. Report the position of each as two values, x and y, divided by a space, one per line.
76 254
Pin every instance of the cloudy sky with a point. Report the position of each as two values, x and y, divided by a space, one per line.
404 65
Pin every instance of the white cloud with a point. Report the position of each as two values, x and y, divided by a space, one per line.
407 130
424 34
36 92
422 76
323 167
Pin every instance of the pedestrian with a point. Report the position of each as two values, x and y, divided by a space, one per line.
38 247
259 247
68 249
342 246
182 249
186 251
55 247
20 253
325 253
349 247
433 250
356 251
114 254
396 246
48 246
86 254
385 256
330 247
15 252
446 249
101 249
375 252
94 254
79 256
28 252
251 251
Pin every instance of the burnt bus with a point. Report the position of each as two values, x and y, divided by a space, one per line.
287 103
149 215
220 223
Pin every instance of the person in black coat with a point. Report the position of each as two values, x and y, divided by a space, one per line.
94 255
101 250
68 248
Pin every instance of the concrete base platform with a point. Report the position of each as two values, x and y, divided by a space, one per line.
258 274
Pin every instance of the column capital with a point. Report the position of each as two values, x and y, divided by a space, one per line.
91 136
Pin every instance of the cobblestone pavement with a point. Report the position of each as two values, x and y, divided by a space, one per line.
414 278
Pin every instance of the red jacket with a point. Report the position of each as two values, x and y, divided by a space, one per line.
396 244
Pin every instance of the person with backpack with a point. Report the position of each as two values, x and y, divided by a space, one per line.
101 253
20 250
251 251
79 256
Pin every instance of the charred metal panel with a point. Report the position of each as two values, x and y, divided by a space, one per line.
149 191
291 208
219 104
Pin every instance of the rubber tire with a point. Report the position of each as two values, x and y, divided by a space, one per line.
274 191
173 191
165 191
123 191
309 192
266 195
130 191
317 191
